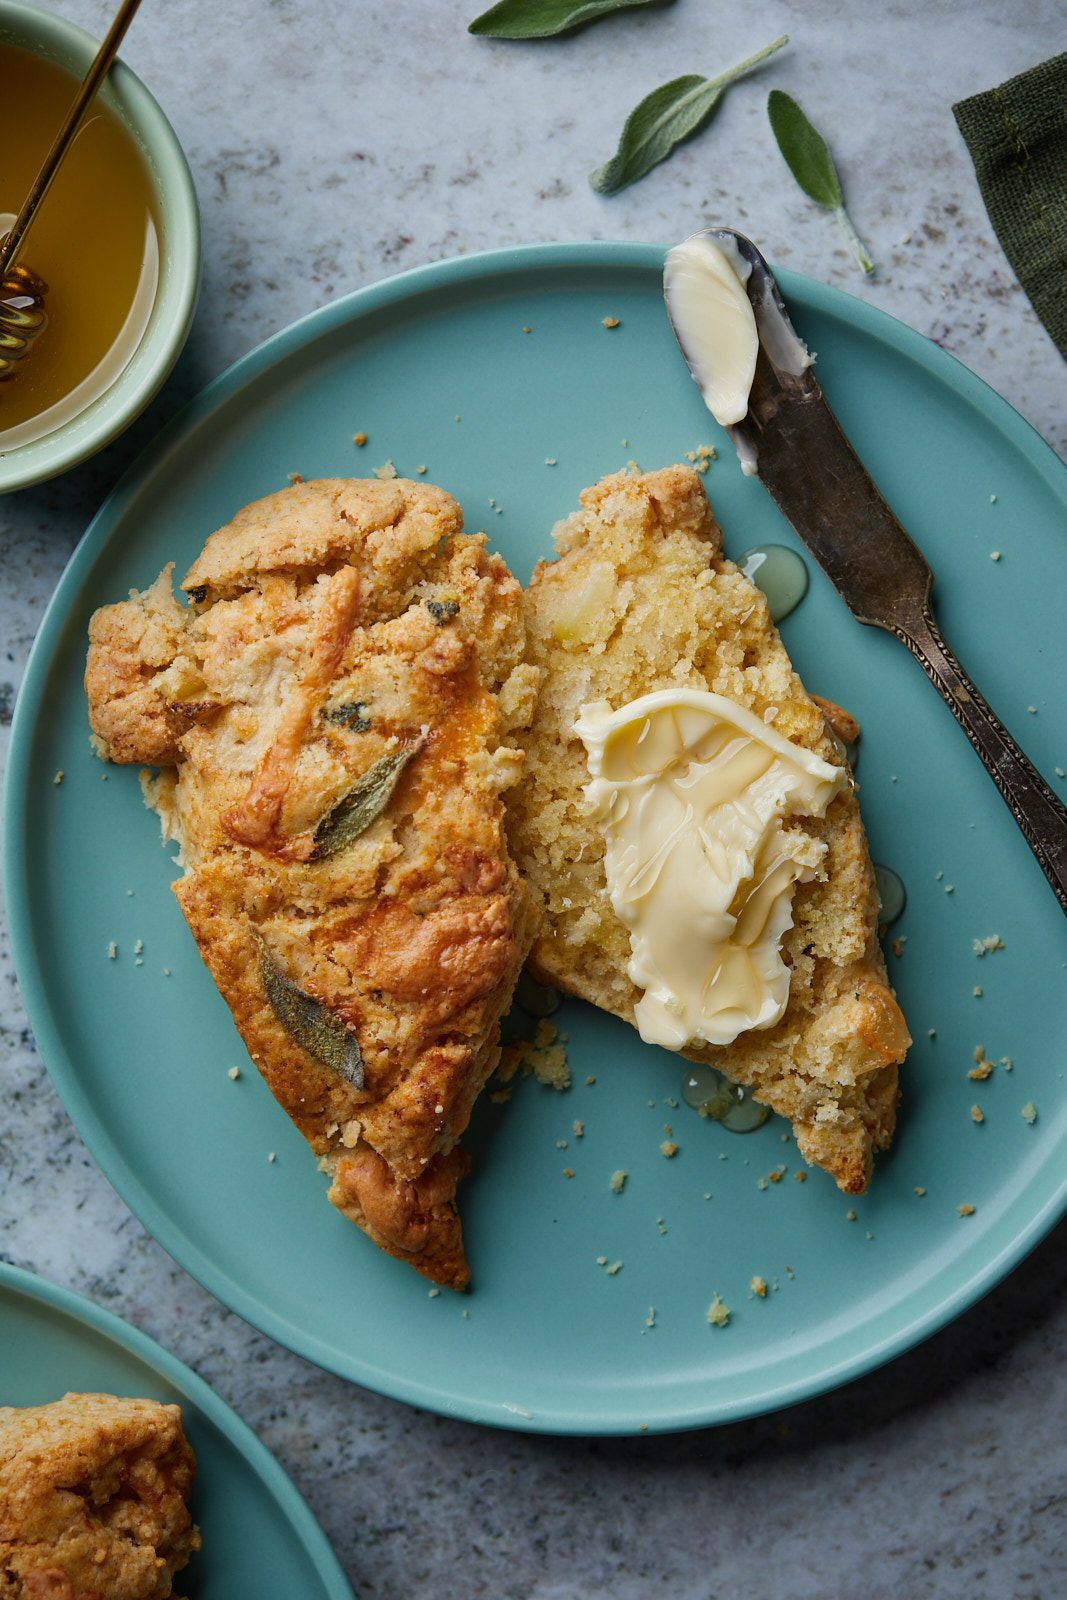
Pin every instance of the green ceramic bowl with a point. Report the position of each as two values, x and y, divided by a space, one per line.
178 224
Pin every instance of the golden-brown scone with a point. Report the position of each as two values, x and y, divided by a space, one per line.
331 714
93 1499
642 599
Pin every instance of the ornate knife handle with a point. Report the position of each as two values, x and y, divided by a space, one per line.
1039 813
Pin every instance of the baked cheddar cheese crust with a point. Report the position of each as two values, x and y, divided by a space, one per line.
331 714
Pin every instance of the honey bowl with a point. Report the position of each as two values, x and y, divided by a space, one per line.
114 249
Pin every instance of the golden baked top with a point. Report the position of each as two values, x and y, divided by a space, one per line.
332 714
93 1492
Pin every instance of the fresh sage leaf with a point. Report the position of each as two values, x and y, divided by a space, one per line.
808 158
349 715
442 611
540 19
308 1022
356 810
664 119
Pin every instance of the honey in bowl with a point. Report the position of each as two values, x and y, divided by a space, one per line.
93 242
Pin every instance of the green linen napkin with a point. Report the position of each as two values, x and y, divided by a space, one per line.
1017 137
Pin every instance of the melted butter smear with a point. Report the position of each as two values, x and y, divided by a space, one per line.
691 791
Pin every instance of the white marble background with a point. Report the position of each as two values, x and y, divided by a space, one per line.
334 144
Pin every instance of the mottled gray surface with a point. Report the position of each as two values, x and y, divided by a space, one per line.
333 145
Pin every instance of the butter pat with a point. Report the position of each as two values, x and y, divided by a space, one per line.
713 322
691 791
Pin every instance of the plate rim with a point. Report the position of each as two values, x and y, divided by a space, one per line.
609 255
176 1375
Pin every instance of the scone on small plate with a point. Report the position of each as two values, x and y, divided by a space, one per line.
93 1499
687 822
330 714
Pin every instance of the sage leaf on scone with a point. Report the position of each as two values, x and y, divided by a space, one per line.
666 117
808 158
366 800
540 19
309 1022
350 715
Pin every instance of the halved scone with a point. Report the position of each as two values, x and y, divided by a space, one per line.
331 714
642 603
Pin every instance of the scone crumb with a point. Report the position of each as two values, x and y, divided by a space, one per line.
668 1148
1005 1062
977 1114
966 1210
851 1215
758 1286
613 1269
112 951
761 1183
982 1067
919 1190
984 947
568 1172
701 457
272 1156
618 1181
58 777
544 1056
610 322
579 1129
718 1312
434 1292
385 471
978 991
234 1073
801 1177
1029 1112
295 477
360 439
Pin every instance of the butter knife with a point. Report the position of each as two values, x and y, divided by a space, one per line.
791 440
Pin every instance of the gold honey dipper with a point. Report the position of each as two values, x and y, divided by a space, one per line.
22 314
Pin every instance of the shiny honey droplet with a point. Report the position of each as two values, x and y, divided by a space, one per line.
891 892
536 999
730 1104
780 575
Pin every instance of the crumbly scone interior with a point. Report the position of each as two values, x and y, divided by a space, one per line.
345 640
93 1498
641 598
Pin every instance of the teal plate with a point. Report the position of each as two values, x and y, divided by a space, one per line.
498 375
259 1537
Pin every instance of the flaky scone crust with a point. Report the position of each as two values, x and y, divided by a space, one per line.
335 626
641 598
93 1499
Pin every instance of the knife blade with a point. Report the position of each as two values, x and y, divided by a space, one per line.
791 440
